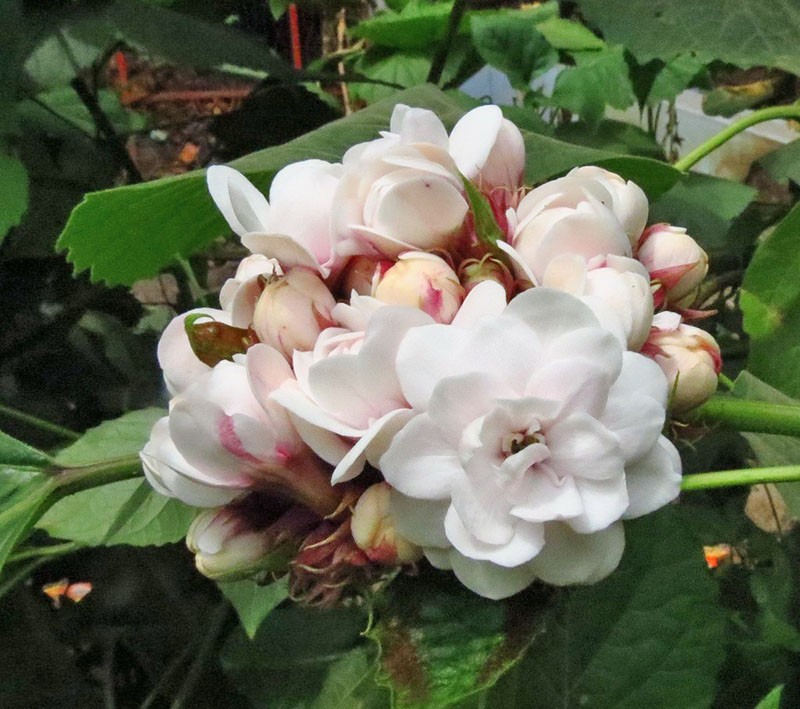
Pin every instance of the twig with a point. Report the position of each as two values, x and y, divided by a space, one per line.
440 58
105 129
36 422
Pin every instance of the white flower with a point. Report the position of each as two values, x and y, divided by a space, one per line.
544 232
625 200
240 294
400 192
533 434
294 226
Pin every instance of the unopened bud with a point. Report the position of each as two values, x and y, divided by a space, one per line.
689 356
472 272
292 311
373 529
422 281
235 542
676 263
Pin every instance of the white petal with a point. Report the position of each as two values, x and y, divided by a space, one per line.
491 580
569 557
582 447
243 206
419 521
654 480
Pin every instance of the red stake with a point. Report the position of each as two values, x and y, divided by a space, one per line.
122 67
294 33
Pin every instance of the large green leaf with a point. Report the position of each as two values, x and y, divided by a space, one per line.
770 301
299 656
440 643
254 602
650 635
116 438
598 79
783 163
125 512
14 453
705 206
769 449
419 25
13 193
742 32
512 43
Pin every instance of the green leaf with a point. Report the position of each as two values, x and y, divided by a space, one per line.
771 450
705 206
568 35
487 229
614 136
297 653
254 602
23 494
512 43
598 79
13 193
440 643
117 438
770 302
405 67
149 221
417 26
125 512
772 700
14 453
784 163
650 635
676 75
743 32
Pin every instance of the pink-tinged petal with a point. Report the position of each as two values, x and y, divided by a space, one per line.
543 498
371 446
654 480
196 429
175 355
283 249
491 580
456 401
525 542
243 206
521 268
594 344
605 501
267 370
486 300
582 447
642 375
569 557
419 521
170 474
419 462
335 386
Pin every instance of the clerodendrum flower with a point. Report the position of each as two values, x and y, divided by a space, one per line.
534 433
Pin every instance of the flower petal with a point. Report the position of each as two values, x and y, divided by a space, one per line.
491 580
653 480
243 206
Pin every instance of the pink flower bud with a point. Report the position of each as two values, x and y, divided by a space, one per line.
675 262
362 273
292 311
472 272
689 356
422 281
242 539
373 529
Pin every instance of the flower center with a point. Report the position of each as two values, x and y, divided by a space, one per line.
517 441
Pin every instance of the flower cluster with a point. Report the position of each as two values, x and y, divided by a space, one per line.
388 377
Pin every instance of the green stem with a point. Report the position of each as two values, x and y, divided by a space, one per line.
764 114
43 552
440 58
747 476
198 292
72 480
216 624
746 415
36 422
